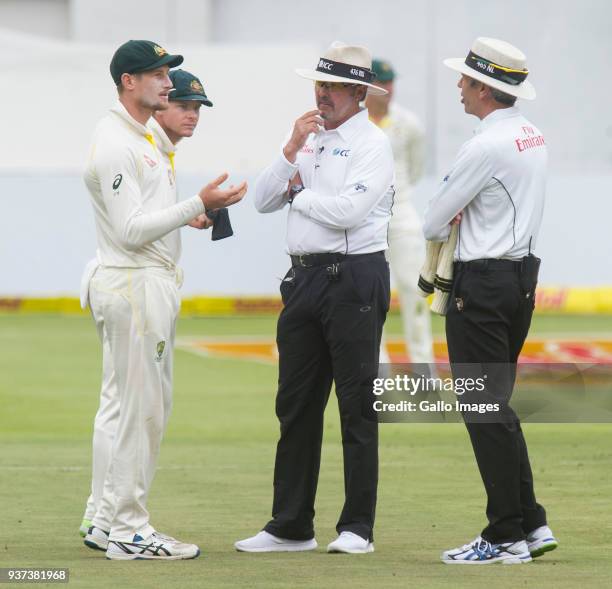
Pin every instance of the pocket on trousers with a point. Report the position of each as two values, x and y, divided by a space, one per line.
287 286
529 296
357 321
356 335
371 282
110 300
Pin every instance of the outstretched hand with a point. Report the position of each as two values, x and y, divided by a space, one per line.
214 197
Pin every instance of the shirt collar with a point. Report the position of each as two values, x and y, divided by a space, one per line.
120 111
351 127
161 138
498 114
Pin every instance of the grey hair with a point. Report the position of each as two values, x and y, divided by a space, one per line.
502 97
496 94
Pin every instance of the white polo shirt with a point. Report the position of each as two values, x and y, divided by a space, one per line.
133 195
346 204
499 181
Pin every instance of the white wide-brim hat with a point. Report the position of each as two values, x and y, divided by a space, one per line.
497 64
349 64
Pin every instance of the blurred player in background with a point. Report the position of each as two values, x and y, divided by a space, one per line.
133 291
406 245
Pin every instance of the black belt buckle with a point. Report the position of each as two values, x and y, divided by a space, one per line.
302 260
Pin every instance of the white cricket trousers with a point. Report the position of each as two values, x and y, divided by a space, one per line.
105 427
135 311
406 255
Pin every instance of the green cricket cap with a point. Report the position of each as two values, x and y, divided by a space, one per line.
187 87
383 70
140 56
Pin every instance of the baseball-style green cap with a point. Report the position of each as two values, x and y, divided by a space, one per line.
140 56
383 70
187 87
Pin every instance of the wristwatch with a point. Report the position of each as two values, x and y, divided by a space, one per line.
294 191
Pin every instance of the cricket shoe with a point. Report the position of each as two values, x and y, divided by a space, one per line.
156 547
85 525
482 552
266 542
541 540
96 538
349 543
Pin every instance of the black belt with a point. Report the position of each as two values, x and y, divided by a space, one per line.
310 260
488 264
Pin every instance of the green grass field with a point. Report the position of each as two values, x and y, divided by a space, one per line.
214 484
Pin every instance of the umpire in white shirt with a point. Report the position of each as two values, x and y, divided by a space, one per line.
335 176
495 191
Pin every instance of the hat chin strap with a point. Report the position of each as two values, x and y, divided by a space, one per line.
497 72
345 70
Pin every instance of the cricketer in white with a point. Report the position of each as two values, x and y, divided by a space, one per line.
134 299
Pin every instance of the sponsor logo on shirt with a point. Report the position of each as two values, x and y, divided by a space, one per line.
445 179
307 149
530 140
150 162
360 187
117 181
341 152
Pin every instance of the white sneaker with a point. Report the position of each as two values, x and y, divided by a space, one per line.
96 538
482 552
350 543
265 542
84 528
541 540
155 547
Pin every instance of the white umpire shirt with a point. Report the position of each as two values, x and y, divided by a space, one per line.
499 181
346 204
133 194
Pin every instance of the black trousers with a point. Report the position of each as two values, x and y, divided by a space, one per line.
487 322
329 330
